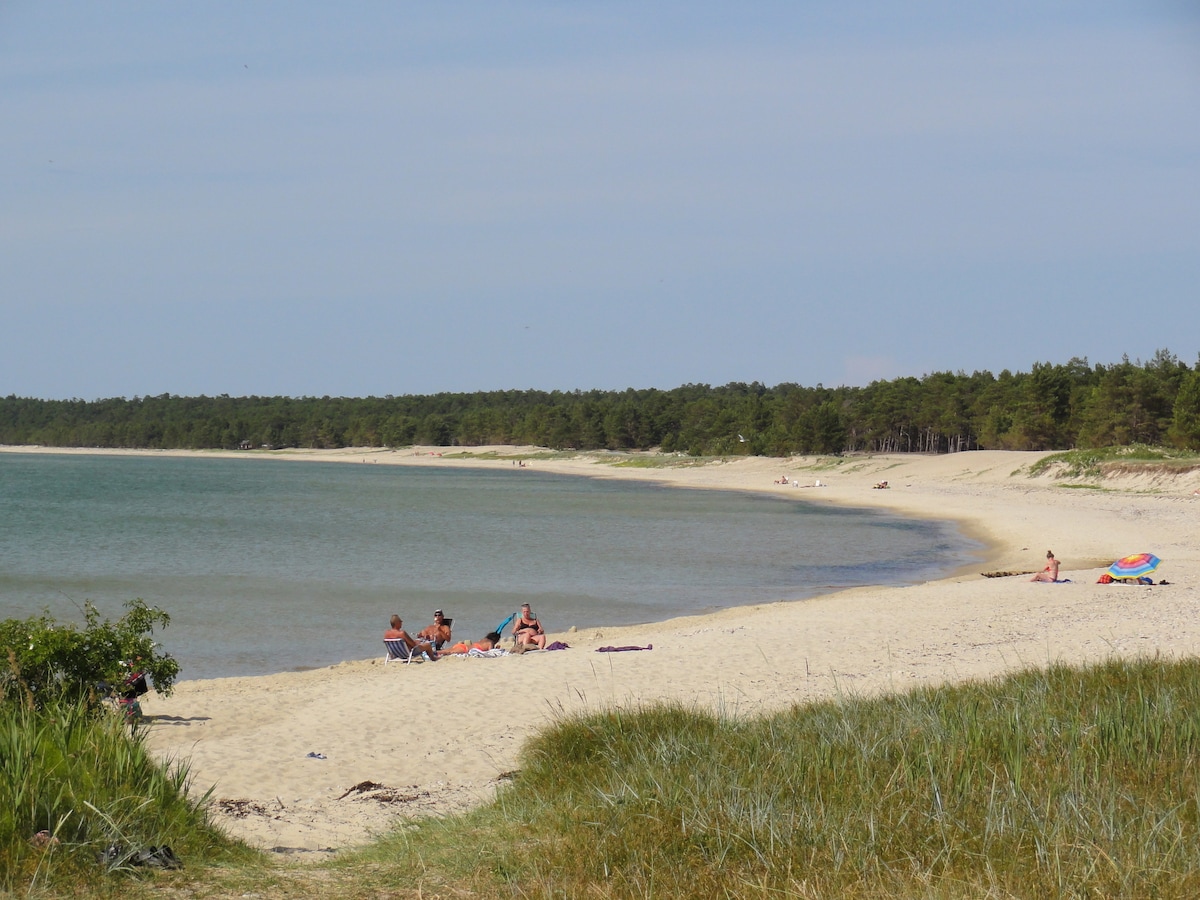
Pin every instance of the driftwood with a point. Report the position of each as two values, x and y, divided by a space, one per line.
381 793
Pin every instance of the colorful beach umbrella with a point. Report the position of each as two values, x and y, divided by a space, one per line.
1134 566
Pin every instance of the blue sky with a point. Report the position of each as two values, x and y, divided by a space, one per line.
383 198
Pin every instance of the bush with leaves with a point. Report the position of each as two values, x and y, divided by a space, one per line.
50 660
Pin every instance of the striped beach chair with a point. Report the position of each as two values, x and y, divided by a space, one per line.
398 651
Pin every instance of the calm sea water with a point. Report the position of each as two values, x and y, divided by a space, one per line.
269 566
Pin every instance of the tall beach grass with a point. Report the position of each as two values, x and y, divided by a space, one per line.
1052 783
73 785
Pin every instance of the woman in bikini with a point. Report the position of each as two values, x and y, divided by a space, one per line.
1050 573
528 629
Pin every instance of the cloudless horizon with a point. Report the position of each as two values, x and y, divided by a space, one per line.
379 199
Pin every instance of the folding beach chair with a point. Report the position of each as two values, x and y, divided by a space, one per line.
500 628
398 651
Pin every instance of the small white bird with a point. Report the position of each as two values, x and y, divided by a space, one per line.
742 439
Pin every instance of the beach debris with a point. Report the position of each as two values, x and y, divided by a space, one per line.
623 649
381 793
362 787
1004 574
240 809
315 755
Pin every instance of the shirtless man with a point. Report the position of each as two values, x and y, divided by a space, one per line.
438 633
397 633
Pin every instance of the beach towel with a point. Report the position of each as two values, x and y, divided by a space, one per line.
622 649
558 645
487 654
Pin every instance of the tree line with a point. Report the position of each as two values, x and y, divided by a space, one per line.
1050 407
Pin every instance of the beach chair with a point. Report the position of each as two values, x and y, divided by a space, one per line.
398 651
500 628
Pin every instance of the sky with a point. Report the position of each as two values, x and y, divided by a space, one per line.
371 199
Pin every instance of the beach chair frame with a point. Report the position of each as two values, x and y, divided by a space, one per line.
398 651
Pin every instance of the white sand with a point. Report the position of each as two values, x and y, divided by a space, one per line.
441 735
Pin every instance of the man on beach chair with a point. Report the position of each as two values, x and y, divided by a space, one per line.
396 637
438 633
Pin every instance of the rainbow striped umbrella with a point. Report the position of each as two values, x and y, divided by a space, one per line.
1134 566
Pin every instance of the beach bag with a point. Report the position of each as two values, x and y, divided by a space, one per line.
1105 579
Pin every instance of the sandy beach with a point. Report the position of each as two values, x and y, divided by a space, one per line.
396 741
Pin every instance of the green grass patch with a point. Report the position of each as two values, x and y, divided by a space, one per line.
1063 783
659 462
493 455
1103 461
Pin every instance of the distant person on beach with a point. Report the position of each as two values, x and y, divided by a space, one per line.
1050 573
438 633
882 486
528 628
397 633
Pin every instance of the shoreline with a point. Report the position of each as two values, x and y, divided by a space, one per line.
250 736
666 471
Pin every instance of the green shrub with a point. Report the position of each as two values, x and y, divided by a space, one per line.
50 661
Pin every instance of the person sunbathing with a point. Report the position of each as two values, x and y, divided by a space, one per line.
528 629
490 641
438 633
881 486
397 633
1050 573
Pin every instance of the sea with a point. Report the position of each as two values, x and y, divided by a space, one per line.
268 566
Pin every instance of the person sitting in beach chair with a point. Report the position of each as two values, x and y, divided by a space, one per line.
438 633
528 629
403 647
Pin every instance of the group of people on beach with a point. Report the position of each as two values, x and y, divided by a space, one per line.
434 641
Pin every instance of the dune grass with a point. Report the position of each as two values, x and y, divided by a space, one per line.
1055 783
1061 782
87 783
1102 461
